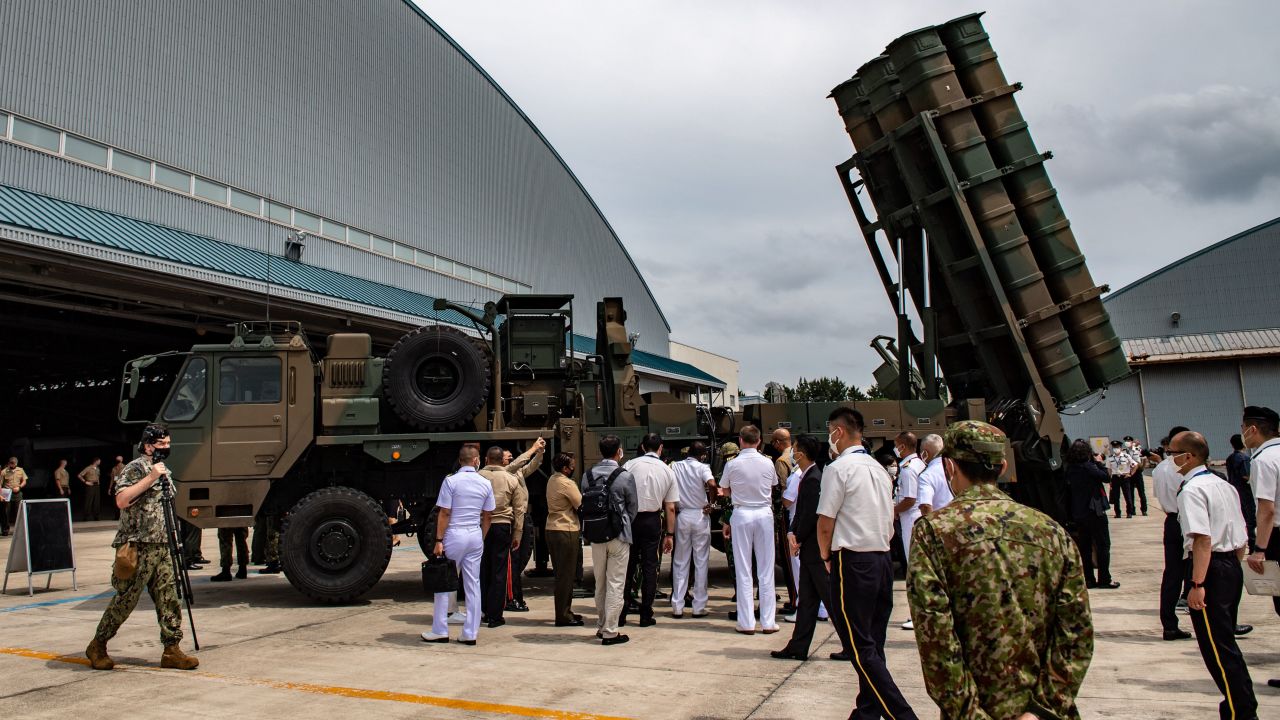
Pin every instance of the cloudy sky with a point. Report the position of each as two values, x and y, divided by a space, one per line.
703 131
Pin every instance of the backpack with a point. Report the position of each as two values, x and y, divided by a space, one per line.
601 521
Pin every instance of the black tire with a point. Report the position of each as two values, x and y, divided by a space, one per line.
335 545
437 378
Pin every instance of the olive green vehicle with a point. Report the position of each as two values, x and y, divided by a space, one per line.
268 425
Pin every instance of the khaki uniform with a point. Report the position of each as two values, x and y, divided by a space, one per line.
63 478
12 479
91 476
143 523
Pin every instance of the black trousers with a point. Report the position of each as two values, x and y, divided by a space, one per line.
862 595
1121 487
92 502
493 570
240 536
646 544
1174 581
782 551
1094 537
1273 553
1138 486
814 588
564 547
519 558
1215 634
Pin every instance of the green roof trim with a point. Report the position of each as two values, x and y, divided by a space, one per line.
44 214
1191 257
587 346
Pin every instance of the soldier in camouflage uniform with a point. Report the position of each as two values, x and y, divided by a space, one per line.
997 593
141 503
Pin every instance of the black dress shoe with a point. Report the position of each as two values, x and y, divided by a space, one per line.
224 576
1091 584
497 623
571 623
1243 630
787 655
615 640
242 573
194 566
270 569
659 595
466 642
647 623
1108 585
1274 682
1177 635
516 606
842 655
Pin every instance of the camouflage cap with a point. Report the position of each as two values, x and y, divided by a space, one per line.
974 441
729 450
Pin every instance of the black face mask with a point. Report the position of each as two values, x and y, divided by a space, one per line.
159 454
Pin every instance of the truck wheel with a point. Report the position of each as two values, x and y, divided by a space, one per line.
437 378
335 544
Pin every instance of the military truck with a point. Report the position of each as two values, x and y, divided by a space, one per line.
269 425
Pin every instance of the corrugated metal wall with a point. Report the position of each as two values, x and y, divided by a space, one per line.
1210 290
362 112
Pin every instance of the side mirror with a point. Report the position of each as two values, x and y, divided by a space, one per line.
134 378
123 412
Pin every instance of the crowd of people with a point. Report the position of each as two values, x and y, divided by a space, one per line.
14 482
993 639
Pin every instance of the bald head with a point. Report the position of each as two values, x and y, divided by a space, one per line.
906 442
1192 443
781 438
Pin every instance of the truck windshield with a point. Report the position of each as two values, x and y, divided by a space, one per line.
188 395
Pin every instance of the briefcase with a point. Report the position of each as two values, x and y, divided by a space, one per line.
439 575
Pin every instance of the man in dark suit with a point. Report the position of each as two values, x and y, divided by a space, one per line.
813 585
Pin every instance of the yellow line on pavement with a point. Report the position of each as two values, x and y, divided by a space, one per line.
337 690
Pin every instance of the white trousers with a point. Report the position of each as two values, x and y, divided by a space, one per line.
693 543
609 563
907 525
752 530
464 546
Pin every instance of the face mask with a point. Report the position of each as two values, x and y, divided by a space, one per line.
1244 436
159 454
896 452
831 445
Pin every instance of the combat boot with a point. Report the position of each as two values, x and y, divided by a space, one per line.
175 659
98 657
242 573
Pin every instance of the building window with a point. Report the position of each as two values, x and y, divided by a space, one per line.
85 150
210 190
462 271
173 179
404 252
386 247
510 286
246 202
131 165
35 134
249 380
357 238
306 221
279 213
426 260
444 266
335 231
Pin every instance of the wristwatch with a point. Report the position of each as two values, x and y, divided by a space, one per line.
668 534
1196 585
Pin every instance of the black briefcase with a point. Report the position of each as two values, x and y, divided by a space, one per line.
439 575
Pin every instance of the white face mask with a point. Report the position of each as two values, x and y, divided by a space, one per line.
831 444
896 452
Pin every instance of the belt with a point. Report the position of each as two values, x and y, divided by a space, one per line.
648 512
1225 554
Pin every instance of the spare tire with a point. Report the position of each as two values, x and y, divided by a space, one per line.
437 378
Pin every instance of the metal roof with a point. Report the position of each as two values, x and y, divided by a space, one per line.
1203 346
40 213
1188 258
661 365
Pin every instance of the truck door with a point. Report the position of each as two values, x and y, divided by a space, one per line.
250 420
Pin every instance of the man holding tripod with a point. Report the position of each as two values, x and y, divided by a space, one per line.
143 557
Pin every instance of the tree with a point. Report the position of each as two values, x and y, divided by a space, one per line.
822 389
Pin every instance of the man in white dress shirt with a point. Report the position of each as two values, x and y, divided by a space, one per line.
907 505
695 485
656 495
748 480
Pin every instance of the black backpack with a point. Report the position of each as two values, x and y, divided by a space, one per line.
601 521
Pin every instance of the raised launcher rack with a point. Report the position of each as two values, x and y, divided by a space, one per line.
982 248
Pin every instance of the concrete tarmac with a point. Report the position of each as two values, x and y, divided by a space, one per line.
268 652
